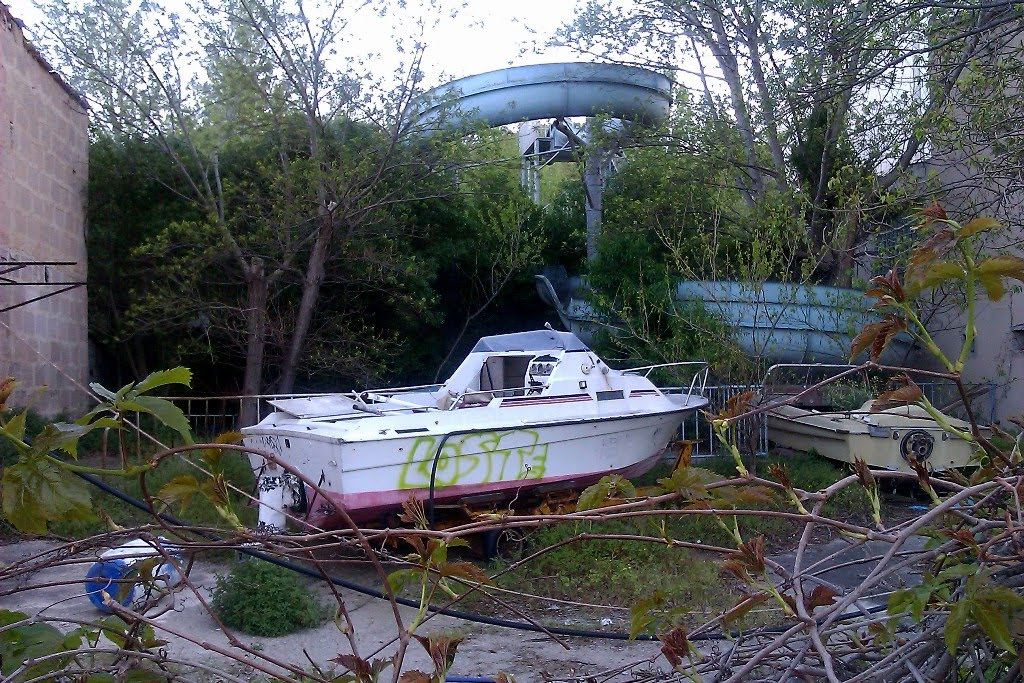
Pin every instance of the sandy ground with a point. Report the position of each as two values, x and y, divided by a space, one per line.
485 651
57 591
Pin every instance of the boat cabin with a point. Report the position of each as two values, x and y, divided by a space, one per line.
519 364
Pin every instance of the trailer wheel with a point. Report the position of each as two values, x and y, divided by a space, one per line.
506 544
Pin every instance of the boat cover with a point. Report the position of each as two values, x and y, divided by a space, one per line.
537 340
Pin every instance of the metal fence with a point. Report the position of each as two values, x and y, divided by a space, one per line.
212 415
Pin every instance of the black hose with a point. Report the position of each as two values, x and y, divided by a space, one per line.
447 611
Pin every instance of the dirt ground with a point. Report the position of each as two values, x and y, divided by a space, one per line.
57 591
485 651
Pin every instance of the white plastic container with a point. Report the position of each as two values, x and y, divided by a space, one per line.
117 563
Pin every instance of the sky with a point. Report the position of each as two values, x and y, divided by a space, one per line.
485 35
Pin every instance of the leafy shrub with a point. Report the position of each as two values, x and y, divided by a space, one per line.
264 599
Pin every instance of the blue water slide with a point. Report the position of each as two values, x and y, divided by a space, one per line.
545 91
780 322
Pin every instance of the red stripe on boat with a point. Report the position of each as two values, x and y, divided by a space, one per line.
530 401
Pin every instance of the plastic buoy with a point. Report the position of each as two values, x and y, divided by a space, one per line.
116 564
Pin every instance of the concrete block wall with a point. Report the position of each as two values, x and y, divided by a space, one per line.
44 152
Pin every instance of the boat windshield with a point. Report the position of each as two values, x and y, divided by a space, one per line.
537 340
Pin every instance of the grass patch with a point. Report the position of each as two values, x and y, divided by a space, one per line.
619 572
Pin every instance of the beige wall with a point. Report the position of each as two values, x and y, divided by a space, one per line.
997 356
44 151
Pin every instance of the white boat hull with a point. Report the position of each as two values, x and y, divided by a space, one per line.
371 479
882 440
524 412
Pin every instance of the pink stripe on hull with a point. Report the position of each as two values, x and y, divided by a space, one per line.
367 507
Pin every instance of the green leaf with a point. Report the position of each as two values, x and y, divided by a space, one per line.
8 617
645 612
113 629
465 570
976 225
179 490
166 412
937 273
689 482
994 622
600 493
15 427
39 490
213 456
60 436
178 375
398 579
100 390
955 624
992 270
958 571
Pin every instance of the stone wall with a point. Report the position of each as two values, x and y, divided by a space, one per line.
44 152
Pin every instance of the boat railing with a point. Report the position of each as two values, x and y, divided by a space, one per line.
698 381
474 397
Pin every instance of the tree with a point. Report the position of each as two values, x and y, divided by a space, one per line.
803 84
260 74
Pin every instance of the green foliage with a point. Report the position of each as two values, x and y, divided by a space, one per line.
26 638
30 639
844 396
619 572
264 599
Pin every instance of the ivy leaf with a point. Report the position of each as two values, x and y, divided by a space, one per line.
877 335
7 386
675 645
645 612
992 270
887 289
113 629
736 405
101 390
15 427
689 482
932 210
216 490
820 596
928 251
178 375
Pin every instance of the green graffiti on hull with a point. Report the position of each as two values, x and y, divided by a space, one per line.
476 458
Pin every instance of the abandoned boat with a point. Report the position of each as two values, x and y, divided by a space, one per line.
524 413
884 439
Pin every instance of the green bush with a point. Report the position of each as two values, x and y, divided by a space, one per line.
263 599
